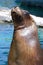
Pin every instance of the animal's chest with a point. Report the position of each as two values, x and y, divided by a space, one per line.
26 45
25 37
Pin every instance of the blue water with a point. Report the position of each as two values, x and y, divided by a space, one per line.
40 36
7 3
6 33
6 30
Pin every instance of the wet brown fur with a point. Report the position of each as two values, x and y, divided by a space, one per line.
21 50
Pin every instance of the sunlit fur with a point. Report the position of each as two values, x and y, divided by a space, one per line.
25 47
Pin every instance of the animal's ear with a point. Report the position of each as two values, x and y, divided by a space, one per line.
26 14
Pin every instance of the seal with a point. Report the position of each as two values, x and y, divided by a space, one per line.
25 47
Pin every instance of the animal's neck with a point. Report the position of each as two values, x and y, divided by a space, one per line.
30 33
19 27
22 26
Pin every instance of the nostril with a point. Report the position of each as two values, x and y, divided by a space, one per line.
15 6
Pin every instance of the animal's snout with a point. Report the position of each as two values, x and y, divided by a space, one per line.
16 10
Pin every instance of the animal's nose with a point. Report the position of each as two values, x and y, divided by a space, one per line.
16 9
15 6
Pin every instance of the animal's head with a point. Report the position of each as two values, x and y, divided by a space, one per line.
21 17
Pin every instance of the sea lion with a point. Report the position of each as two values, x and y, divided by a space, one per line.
25 47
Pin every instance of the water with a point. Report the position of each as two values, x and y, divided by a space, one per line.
34 10
6 30
12 3
40 35
7 3
6 33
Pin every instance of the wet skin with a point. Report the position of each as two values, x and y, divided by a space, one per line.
25 47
